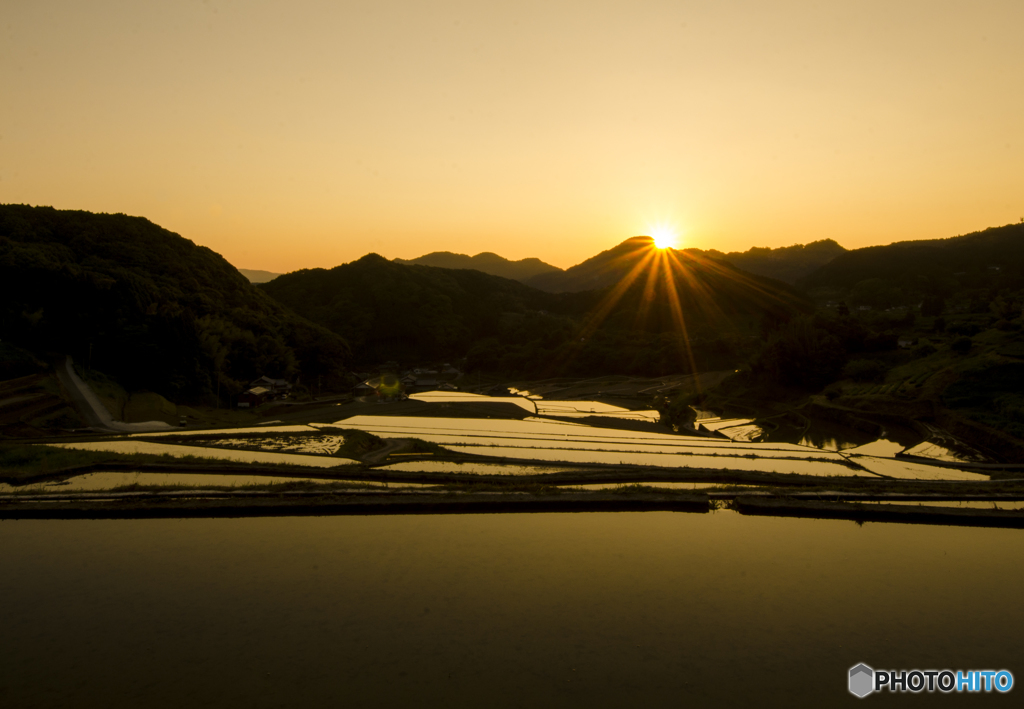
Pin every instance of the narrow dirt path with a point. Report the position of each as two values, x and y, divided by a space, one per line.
92 411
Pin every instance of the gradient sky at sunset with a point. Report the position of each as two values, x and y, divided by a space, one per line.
297 134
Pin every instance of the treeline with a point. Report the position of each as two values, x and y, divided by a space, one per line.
147 306
975 267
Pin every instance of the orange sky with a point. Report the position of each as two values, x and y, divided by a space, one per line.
302 134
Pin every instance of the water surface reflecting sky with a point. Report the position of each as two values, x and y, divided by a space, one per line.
616 609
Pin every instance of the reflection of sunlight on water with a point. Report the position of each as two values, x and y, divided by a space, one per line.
907 470
541 406
717 424
133 446
882 448
937 452
634 608
829 444
107 481
749 433
657 484
765 464
295 428
569 443
474 468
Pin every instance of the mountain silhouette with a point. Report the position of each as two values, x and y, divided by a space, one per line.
147 306
644 310
788 263
600 271
487 262
256 276
929 265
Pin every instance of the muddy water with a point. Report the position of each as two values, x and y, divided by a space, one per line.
542 610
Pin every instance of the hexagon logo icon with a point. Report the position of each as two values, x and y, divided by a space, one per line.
862 680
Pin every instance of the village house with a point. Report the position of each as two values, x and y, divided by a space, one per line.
363 389
253 397
276 387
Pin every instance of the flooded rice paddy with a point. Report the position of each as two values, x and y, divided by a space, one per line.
543 407
572 443
296 428
548 610
542 445
90 482
475 468
130 446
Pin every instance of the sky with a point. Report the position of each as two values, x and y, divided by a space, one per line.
303 134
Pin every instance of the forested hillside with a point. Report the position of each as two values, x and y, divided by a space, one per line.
909 272
389 311
146 306
655 318
788 263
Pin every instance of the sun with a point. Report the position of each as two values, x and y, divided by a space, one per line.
664 237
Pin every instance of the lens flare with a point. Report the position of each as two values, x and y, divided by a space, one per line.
664 237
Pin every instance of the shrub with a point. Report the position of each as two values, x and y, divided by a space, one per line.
961 345
923 350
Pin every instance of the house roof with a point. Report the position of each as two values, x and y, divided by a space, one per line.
276 382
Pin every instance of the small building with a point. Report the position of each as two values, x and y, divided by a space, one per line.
426 384
363 389
253 397
276 387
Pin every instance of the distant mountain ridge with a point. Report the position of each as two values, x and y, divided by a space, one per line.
605 269
665 312
928 264
256 276
788 263
487 262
